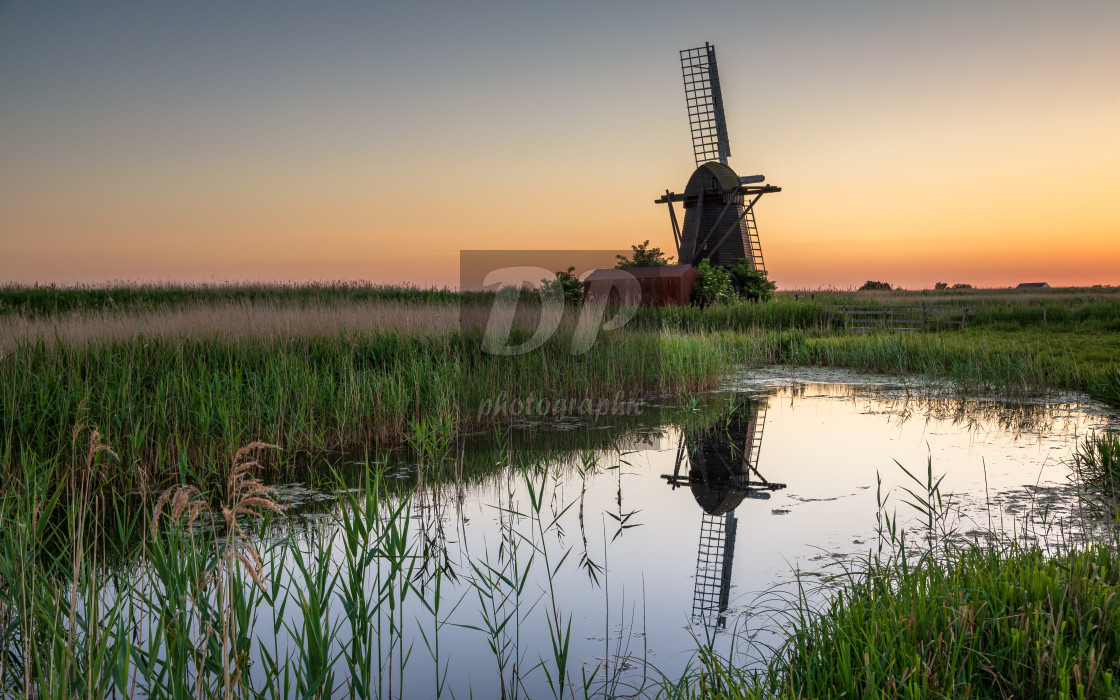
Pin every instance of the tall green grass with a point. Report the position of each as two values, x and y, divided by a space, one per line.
213 587
960 622
980 624
1097 463
160 400
1105 386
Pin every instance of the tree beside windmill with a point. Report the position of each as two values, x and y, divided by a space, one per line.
643 256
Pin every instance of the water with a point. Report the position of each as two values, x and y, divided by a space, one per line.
698 528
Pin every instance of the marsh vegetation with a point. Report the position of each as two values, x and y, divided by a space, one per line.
144 552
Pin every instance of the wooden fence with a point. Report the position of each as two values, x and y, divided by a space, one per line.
863 318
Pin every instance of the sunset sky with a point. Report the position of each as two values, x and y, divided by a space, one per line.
206 141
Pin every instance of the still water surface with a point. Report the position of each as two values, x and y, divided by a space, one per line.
694 532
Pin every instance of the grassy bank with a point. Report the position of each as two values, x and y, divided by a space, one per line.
162 398
1097 464
976 624
1054 313
159 400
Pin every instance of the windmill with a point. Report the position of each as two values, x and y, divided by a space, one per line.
722 472
719 222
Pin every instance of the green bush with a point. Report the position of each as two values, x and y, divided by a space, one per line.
874 286
756 285
567 284
714 285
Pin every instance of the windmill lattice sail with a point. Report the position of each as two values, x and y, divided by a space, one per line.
705 104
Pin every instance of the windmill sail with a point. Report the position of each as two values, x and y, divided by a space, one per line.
704 99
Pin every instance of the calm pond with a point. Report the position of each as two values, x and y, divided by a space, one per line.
648 537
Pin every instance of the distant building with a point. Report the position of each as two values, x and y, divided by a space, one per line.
1033 285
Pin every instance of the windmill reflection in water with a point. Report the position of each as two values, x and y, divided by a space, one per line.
721 471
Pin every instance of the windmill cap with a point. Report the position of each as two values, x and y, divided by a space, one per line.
723 175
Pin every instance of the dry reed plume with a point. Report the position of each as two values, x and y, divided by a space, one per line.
230 321
246 495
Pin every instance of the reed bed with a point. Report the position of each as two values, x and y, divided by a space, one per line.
978 624
993 296
1097 463
217 597
1096 308
161 398
1105 385
1043 315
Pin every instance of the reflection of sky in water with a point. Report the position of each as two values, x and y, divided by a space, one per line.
826 442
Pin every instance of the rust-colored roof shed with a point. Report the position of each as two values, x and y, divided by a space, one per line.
662 285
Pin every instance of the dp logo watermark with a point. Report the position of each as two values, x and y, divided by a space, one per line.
522 299
545 314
